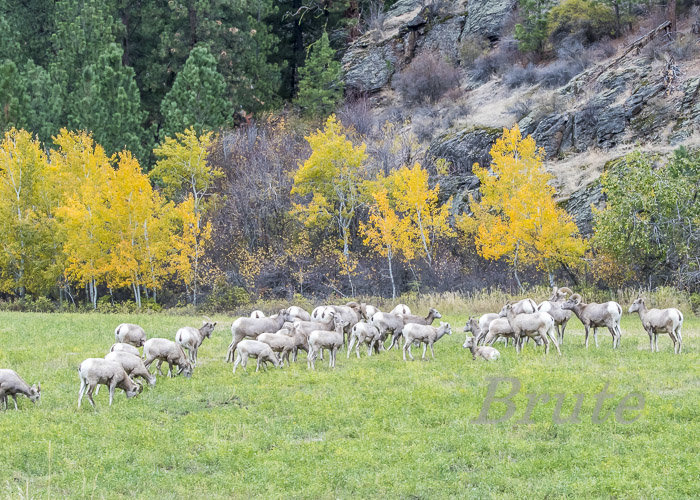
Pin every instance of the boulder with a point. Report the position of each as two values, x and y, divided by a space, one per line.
579 206
369 69
485 18
465 147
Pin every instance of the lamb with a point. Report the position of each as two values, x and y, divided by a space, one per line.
433 314
122 347
364 333
12 384
388 322
255 349
133 366
657 321
401 309
326 339
284 343
552 306
594 315
94 371
257 314
301 339
486 352
481 334
296 312
191 338
168 351
129 333
252 327
531 325
425 334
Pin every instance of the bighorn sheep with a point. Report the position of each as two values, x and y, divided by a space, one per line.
254 349
594 315
326 339
499 328
369 311
133 366
433 314
191 338
129 333
530 325
480 327
387 322
257 314
320 313
657 321
525 306
12 384
425 334
122 347
486 352
284 343
252 327
401 309
296 312
95 371
165 350
364 333
552 306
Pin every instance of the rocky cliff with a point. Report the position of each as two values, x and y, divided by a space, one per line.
626 101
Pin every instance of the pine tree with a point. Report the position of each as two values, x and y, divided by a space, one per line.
12 96
44 104
108 104
198 97
320 87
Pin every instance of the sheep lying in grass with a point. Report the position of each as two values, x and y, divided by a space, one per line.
12 384
657 321
531 325
122 347
133 366
191 338
165 350
326 339
364 333
94 371
425 334
486 352
594 315
129 333
254 349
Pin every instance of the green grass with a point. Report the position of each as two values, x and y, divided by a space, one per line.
377 427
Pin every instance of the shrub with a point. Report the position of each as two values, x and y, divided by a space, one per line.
517 76
587 20
494 63
471 49
426 78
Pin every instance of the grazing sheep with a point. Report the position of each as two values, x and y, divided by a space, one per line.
12 384
388 322
252 327
364 333
486 352
594 315
129 333
433 314
133 366
326 339
257 314
552 306
284 344
255 349
425 334
657 321
95 371
168 351
530 325
296 312
191 338
401 309
122 347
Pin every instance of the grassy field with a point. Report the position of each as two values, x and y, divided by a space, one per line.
375 427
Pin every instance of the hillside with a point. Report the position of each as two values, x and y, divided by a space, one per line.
641 91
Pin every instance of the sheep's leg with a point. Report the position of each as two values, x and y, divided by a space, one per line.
158 365
111 393
425 347
680 341
432 353
237 362
331 357
257 364
595 336
14 398
170 369
89 395
656 341
350 344
81 392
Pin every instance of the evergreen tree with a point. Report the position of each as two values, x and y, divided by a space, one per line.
320 87
198 97
44 102
12 102
108 104
31 24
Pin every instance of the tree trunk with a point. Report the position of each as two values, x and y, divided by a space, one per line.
672 15
391 276
515 268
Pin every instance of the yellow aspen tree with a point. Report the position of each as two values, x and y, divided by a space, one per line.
28 254
187 179
82 172
330 181
517 217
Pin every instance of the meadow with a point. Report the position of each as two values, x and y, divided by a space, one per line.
374 427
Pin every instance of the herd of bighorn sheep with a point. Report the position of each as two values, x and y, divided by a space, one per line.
273 339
